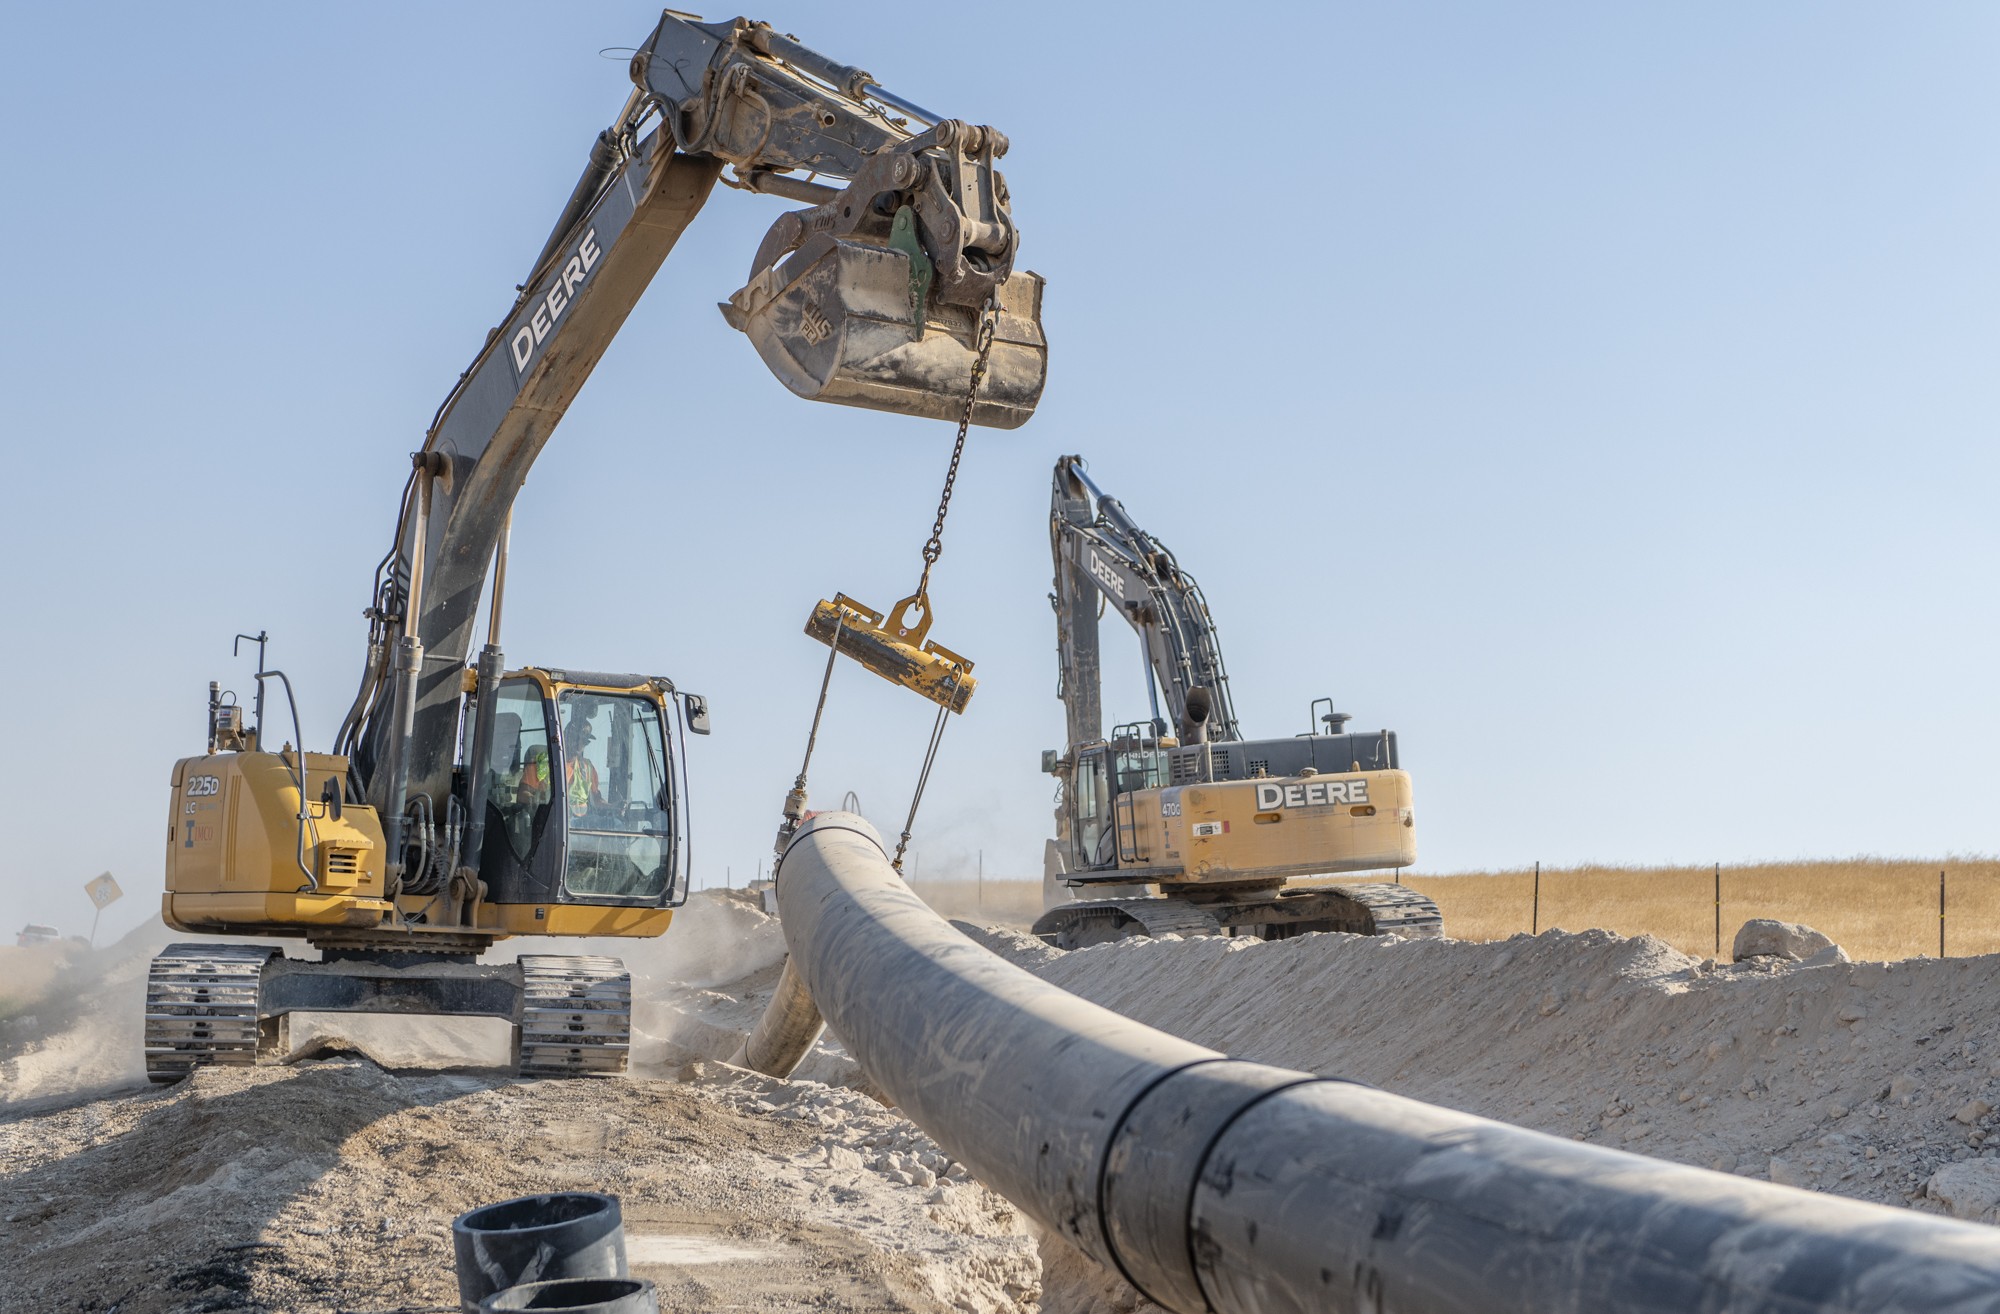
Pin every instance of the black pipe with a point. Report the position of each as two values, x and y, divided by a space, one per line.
1235 1188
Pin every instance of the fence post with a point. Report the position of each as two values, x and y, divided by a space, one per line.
1535 916
1940 914
1718 910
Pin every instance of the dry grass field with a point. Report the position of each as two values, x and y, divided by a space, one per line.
990 903
1875 908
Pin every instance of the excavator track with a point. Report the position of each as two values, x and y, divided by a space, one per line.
1100 921
201 1007
576 1015
1391 909
204 1005
1364 908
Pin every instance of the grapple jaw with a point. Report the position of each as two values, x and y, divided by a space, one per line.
876 297
841 329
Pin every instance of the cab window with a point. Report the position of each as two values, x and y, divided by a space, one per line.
517 768
1093 808
617 795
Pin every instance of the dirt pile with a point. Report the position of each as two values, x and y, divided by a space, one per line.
1860 1078
330 1184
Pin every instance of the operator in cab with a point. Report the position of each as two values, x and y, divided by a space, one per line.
580 781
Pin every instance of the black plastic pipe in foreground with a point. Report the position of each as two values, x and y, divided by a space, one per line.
1213 1184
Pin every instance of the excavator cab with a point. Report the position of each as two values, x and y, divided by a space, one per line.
583 794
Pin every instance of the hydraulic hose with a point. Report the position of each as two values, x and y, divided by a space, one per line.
1217 1185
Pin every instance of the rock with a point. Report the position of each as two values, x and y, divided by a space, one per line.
1972 1112
1764 937
1968 1190
1852 1013
841 1159
1783 1173
1903 1087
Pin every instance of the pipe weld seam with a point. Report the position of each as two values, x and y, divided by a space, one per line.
1201 1167
1104 1166
1209 1105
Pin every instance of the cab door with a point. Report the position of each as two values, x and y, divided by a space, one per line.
619 799
521 860
1090 792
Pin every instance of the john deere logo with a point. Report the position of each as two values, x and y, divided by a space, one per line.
813 326
1316 794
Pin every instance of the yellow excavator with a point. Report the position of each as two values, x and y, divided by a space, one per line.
465 803
1177 824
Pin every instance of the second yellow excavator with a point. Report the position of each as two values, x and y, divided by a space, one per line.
1178 823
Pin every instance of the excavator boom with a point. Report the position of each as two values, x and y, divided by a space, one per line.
872 296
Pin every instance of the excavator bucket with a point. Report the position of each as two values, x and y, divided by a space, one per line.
895 650
837 324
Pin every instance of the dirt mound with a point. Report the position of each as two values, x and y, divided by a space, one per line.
332 1186
329 1185
1841 1076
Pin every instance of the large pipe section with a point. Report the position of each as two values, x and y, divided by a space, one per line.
785 1033
1217 1185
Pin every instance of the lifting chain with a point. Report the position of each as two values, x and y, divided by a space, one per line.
795 802
989 320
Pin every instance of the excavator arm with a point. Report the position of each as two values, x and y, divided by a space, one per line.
1104 559
872 296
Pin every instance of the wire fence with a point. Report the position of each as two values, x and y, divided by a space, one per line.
1873 908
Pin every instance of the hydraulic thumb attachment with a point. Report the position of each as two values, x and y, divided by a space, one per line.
896 648
878 294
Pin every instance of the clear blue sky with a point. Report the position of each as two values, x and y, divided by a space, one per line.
1599 395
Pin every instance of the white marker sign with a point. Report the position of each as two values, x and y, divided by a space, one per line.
103 891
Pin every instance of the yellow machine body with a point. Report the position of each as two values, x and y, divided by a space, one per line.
1234 832
233 850
895 648
241 861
